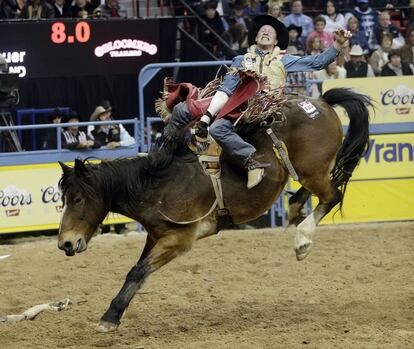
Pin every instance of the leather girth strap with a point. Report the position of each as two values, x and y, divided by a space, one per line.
214 173
279 145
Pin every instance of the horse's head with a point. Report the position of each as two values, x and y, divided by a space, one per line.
83 209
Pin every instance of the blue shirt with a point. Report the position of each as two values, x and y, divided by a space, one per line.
292 64
300 20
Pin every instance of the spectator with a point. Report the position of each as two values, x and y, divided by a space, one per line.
238 13
380 56
205 36
11 9
410 22
275 9
356 67
395 67
223 8
37 9
325 37
253 8
156 131
97 13
315 46
296 46
358 35
111 9
72 137
299 19
50 141
62 8
384 26
333 19
236 37
332 71
367 18
407 51
82 9
111 136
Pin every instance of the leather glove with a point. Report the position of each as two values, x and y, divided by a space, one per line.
201 130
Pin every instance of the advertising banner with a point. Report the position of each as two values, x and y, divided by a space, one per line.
30 198
393 97
71 48
388 156
375 201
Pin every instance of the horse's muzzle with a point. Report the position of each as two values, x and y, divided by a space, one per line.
70 248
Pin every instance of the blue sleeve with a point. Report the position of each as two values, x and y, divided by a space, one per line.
309 63
231 81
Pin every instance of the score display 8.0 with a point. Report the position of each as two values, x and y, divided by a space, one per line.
80 34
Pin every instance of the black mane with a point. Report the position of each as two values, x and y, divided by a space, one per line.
129 178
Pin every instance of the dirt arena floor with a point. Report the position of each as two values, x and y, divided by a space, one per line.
239 289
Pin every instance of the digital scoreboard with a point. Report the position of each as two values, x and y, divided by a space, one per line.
68 48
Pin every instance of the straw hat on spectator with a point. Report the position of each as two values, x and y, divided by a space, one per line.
99 110
356 50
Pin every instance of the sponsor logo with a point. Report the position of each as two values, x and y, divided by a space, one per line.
52 195
15 60
401 97
389 152
11 198
126 48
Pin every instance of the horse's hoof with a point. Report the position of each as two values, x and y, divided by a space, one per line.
303 250
105 326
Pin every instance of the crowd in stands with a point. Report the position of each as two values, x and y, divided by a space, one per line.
378 46
73 138
37 9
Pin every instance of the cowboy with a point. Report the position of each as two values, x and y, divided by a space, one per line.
267 37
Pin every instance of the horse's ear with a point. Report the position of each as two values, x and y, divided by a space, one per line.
65 168
80 168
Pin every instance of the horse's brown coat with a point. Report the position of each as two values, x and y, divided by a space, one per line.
178 187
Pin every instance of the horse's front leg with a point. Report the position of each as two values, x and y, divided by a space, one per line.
164 250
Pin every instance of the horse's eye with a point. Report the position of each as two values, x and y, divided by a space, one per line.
77 200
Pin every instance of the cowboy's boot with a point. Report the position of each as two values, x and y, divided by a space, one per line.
255 171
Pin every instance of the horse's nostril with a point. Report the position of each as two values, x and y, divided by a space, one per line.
67 245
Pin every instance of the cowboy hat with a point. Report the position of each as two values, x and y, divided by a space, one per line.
238 5
56 113
295 27
279 27
99 110
356 50
71 115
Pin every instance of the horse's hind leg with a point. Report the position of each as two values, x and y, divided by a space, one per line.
164 250
296 202
329 196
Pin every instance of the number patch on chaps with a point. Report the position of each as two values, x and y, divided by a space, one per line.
310 109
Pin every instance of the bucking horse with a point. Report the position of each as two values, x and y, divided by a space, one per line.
170 186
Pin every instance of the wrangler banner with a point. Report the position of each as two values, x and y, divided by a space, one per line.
388 157
30 199
393 97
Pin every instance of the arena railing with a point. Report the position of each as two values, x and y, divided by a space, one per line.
65 155
32 113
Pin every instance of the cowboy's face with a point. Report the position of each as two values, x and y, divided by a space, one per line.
266 36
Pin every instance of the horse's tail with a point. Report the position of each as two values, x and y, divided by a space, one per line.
356 140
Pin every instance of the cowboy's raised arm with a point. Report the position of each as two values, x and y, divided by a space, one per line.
317 62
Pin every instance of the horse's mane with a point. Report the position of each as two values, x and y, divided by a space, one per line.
128 178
